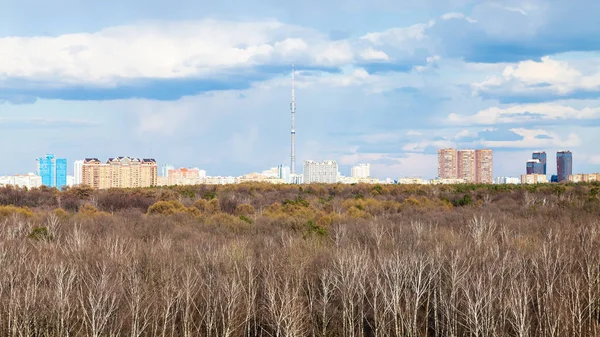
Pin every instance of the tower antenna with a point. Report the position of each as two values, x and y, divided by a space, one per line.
293 111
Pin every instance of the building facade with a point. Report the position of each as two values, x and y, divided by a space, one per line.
119 172
583 178
466 165
534 166
29 180
320 172
52 170
541 157
564 165
447 164
508 180
470 166
183 176
534 179
361 171
484 166
77 171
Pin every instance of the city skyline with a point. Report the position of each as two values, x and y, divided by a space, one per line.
211 88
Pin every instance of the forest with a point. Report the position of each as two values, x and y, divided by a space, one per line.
301 260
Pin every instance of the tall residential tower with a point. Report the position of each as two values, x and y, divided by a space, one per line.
52 170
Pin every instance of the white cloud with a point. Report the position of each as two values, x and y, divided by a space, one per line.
524 113
516 9
371 54
165 50
456 15
546 76
398 36
422 145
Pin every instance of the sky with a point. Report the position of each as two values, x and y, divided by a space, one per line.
195 83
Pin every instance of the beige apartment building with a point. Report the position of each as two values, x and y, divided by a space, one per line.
119 172
533 179
583 178
184 176
471 166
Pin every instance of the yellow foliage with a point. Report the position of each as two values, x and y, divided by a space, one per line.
6 211
358 213
90 211
201 205
325 221
244 209
229 221
167 208
60 213
213 206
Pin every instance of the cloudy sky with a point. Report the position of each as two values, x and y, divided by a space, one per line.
206 84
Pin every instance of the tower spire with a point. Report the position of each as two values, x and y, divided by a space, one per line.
293 112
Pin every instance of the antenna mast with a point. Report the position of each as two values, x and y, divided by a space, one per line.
293 111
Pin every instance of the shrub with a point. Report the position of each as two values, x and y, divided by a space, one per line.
40 234
244 209
6 211
325 221
314 229
167 208
60 213
228 221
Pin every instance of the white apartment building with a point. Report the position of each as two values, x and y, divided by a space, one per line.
29 180
507 180
320 172
77 172
361 171
70 181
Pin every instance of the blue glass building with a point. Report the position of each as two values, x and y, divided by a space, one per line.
534 166
53 171
564 165
541 156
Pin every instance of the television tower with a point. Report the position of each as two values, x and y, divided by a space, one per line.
293 111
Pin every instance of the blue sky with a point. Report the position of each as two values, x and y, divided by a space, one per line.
207 84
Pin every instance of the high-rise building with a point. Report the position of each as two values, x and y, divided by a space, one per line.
564 165
184 176
52 170
447 164
541 156
466 165
534 166
320 172
77 170
484 164
119 172
361 171
471 166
